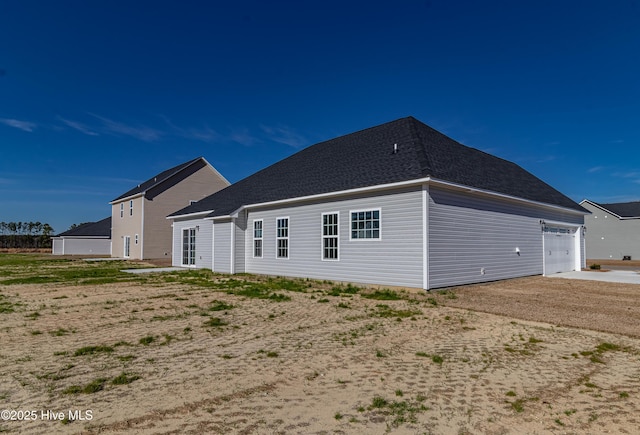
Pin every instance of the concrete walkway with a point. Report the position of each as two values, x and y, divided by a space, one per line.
623 276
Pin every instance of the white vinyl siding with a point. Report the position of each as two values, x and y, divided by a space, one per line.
610 238
203 234
222 246
330 236
474 238
395 260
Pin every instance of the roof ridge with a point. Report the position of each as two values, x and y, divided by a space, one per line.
426 166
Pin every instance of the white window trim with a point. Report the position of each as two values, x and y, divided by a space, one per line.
284 238
131 207
379 210
253 226
322 236
121 210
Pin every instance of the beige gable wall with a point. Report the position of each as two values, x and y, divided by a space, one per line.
157 228
129 224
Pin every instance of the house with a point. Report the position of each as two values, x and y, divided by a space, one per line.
613 230
399 204
91 238
140 229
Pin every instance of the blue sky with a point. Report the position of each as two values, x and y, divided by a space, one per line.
97 96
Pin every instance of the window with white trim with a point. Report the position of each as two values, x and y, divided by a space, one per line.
136 238
257 238
122 209
330 236
282 237
365 224
131 208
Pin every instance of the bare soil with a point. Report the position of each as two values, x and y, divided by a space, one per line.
531 355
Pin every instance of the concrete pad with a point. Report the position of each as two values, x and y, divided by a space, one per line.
623 276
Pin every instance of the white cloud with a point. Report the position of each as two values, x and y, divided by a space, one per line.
285 135
595 169
205 134
78 126
244 137
143 133
22 125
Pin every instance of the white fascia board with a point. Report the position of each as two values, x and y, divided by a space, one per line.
190 215
127 198
507 197
415 182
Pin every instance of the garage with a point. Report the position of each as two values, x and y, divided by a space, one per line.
559 245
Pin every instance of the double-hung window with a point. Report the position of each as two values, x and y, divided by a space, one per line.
257 238
131 208
330 236
365 225
189 247
122 209
282 237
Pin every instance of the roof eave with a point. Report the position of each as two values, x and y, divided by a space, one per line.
127 198
198 214
508 197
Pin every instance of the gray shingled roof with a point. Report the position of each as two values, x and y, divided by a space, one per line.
158 179
101 228
623 209
366 158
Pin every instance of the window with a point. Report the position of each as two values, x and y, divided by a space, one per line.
330 236
365 224
131 208
189 247
122 209
136 239
282 237
257 238
127 246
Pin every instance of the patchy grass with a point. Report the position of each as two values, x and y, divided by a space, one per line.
382 295
214 322
124 379
398 413
91 350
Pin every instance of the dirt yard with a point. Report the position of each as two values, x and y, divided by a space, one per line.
532 355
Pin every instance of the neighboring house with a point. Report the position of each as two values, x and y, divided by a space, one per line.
399 204
140 229
613 230
92 238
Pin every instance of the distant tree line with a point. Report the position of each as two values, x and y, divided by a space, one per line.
25 235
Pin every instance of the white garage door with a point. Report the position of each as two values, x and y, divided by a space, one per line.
559 250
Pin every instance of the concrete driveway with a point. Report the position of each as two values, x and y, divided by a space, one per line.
623 276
